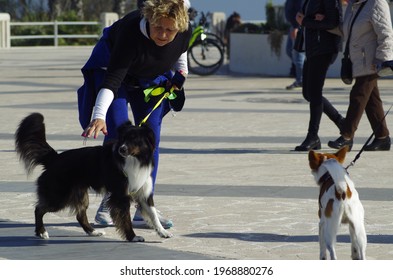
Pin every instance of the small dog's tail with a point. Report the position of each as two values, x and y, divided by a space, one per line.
30 142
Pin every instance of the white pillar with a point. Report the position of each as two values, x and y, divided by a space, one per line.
218 21
107 19
5 31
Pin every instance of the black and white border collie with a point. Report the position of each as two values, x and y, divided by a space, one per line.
122 168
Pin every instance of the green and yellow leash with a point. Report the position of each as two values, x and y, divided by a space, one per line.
155 91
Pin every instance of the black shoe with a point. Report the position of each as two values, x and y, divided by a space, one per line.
310 143
341 142
379 145
294 85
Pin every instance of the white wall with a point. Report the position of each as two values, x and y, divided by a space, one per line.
252 54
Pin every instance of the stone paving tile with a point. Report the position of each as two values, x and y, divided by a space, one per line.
228 176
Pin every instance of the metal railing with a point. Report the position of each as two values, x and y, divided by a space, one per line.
55 36
6 36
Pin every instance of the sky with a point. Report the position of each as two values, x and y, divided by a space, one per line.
248 9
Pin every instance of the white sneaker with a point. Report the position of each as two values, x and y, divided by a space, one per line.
139 221
103 217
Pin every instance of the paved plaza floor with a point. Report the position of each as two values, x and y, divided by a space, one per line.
228 176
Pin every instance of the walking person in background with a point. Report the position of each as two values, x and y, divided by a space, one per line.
292 7
141 50
370 44
321 48
233 21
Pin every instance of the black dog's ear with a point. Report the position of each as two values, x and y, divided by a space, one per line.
152 138
121 129
150 135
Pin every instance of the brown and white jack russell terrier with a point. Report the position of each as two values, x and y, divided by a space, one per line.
338 203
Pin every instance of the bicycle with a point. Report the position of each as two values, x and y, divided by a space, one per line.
206 50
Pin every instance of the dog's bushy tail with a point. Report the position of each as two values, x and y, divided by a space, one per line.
30 142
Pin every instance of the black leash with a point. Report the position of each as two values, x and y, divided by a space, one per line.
368 140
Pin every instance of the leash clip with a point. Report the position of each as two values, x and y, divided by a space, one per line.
349 165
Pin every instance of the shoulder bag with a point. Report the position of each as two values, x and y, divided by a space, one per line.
298 45
346 63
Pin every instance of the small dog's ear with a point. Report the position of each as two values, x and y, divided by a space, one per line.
340 155
314 159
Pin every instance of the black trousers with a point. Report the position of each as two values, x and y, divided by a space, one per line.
314 74
364 96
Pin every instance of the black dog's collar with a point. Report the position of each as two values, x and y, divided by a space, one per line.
325 178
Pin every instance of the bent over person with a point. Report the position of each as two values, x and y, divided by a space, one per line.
146 48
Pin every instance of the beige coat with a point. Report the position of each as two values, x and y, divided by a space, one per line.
371 40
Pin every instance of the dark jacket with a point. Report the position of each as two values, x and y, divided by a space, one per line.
134 56
125 57
292 7
318 40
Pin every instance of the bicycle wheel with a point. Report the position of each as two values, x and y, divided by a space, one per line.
205 57
215 37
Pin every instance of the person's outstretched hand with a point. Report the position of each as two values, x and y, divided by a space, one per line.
94 128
